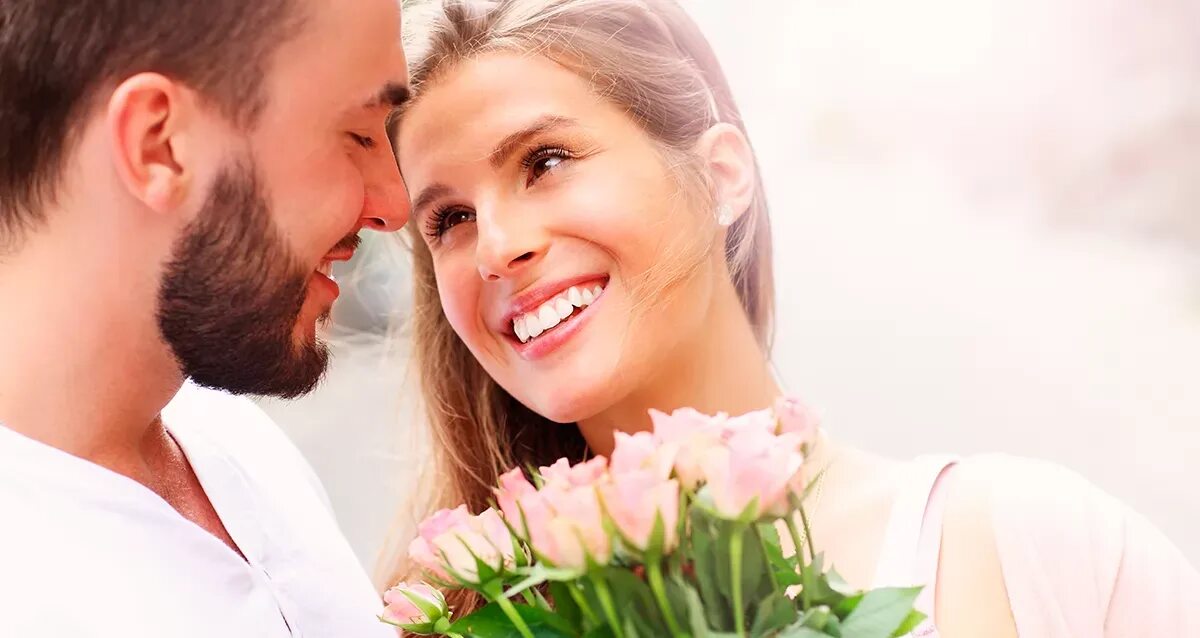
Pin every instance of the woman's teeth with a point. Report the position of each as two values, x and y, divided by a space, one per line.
528 326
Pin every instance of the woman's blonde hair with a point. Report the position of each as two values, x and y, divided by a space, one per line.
648 58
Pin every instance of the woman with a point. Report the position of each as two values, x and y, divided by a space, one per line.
591 241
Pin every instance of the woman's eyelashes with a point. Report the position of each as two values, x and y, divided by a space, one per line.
541 160
534 165
443 218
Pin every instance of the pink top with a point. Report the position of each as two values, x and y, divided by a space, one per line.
1076 562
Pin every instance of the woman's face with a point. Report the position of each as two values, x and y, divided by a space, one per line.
550 215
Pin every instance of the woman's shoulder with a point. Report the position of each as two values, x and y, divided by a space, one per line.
1073 559
1043 515
1042 505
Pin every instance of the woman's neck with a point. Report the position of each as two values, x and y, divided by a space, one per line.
722 370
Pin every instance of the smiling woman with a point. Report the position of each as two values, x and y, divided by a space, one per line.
527 216
591 241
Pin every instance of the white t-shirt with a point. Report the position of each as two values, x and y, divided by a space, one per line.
85 552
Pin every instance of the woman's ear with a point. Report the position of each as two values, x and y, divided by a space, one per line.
726 154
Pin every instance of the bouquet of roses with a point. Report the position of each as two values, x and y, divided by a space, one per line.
682 533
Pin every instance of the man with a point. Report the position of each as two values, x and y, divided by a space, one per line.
176 177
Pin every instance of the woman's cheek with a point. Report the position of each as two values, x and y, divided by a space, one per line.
459 301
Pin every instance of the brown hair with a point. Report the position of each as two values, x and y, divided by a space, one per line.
648 58
57 57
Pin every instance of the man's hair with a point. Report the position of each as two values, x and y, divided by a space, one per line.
58 58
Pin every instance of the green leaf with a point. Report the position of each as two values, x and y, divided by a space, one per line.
787 572
431 610
848 605
816 480
880 613
538 574
696 616
420 629
839 584
564 604
677 589
631 630
634 600
703 539
756 576
801 632
490 622
774 613
816 618
817 589
720 555
914 618
658 535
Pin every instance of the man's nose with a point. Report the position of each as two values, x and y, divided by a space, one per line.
386 207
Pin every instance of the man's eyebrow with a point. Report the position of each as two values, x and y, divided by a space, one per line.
393 95
510 144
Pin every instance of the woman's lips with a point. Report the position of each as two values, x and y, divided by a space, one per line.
552 338
555 311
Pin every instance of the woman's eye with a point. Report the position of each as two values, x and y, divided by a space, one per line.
542 166
543 160
457 217
443 220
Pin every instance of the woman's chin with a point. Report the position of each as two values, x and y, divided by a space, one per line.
571 406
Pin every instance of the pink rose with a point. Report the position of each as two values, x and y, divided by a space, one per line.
635 500
795 418
414 608
567 527
642 451
639 490
753 467
585 473
683 423
450 541
515 490
421 550
691 434
562 521
762 420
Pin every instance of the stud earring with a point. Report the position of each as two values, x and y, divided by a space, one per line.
724 214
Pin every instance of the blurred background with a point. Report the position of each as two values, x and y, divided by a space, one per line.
987 228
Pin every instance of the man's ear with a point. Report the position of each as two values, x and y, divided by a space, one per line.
148 120
729 159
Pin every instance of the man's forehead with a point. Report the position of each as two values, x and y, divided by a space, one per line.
350 60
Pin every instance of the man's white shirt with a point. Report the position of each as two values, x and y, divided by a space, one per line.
87 552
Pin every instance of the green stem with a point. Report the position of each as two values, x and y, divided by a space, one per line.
799 552
654 572
606 602
812 552
762 542
581 600
529 599
442 628
735 573
513 616
541 601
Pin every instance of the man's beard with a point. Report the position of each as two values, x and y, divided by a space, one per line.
232 296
